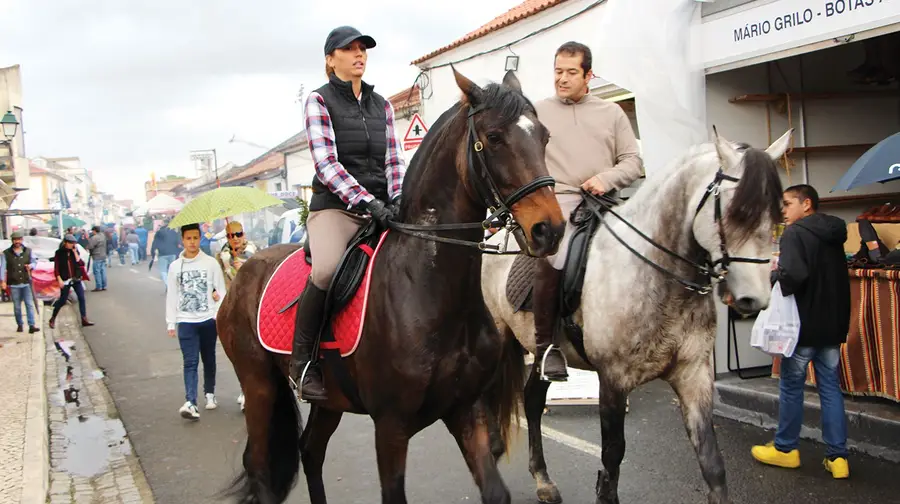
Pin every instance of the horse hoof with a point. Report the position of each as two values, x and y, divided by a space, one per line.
548 493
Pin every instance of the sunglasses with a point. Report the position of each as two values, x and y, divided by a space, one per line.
239 234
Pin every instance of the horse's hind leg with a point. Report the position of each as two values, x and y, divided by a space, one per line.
470 428
612 430
314 442
694 385
535 402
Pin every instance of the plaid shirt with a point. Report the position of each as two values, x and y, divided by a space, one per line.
331 172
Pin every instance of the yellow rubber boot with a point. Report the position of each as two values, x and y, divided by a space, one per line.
839 468
770 455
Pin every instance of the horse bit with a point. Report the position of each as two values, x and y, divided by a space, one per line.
709 269
488 192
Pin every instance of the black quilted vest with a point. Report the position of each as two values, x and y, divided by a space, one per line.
360 137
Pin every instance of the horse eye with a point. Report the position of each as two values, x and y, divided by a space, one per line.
494 138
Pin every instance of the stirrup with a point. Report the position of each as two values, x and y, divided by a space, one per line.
551 348
298 389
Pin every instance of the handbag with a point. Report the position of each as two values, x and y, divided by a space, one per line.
777 328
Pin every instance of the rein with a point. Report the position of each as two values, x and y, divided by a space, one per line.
707 270
484 184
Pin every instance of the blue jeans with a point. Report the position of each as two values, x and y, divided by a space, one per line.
790 411
19 294
100 274
133 250
198 338
164 262
64 297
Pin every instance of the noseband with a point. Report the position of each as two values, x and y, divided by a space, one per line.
482 181
711 271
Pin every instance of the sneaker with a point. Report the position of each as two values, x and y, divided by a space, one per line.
211 401
189 411
839 468
770 455
241 400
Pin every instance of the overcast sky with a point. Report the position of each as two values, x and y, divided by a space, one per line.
131 86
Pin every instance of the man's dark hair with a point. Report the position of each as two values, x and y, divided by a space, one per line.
188 227
33 232
573 48
805 192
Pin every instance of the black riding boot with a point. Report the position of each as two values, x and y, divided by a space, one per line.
309 318
546 321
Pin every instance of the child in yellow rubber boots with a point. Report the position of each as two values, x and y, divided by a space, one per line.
812 267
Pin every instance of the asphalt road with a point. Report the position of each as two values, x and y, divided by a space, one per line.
191 462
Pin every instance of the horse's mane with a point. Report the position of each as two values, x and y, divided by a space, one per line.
758 194
507 104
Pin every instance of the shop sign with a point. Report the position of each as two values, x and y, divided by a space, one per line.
284 194
787 24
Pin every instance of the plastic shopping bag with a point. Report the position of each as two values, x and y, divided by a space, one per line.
777 328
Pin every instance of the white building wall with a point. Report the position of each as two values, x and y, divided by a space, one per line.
11 100
536 55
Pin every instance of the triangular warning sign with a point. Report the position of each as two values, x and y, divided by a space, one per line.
415 132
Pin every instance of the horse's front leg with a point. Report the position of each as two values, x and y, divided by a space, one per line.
469 425
535 402
612 430
694 385
314 442
391 447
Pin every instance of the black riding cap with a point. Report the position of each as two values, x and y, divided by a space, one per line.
342 36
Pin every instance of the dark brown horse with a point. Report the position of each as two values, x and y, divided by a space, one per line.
430 350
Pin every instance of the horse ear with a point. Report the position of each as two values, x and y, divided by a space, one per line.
728 155
780 146
471 91
511 81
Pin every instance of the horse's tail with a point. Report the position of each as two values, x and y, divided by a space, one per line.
283 459
509 390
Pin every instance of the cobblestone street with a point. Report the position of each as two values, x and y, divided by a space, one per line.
15 367
91 459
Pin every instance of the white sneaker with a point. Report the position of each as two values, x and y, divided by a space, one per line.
240 401
189 411
211 401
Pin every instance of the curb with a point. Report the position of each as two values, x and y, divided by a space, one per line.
36 458
867 433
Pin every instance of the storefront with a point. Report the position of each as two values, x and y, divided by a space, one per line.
823 67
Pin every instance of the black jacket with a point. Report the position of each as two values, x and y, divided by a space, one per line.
65 266
360 137
812 266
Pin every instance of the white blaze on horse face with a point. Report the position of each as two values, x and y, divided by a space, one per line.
526 124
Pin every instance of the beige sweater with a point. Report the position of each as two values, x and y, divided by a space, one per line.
589 137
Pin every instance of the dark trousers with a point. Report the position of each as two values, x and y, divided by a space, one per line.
198 338
64 296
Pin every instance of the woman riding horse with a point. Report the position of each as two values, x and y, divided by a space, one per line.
346 120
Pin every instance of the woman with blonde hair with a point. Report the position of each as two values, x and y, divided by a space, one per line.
235 252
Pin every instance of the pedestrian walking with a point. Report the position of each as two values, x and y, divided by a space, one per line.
195 291
16 265
141 232
98 248
134 243
812 267
69 270
166 247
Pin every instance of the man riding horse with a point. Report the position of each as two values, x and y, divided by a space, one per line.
359 171
593 148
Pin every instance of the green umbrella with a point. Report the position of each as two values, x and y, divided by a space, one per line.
69 221
223 202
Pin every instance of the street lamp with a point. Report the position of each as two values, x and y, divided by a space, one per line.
10 124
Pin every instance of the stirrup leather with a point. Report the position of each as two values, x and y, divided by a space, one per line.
551 348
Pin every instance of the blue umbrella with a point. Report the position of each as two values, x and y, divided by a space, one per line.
881 163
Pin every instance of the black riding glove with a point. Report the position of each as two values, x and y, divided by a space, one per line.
379 211
395 208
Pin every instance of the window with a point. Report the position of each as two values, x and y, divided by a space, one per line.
277 186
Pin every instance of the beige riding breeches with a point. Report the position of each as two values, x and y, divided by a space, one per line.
329 232
568 203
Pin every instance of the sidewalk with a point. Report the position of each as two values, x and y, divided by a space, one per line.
49 379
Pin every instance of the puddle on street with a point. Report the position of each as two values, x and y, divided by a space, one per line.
91 443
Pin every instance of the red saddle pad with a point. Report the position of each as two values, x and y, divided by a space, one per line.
276 330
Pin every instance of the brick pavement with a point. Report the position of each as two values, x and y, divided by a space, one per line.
23 438
91 459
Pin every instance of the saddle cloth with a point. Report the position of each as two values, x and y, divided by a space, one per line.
276 330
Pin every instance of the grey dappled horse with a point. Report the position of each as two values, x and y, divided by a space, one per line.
641 323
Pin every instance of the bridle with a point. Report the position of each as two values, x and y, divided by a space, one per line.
488 193
711 271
